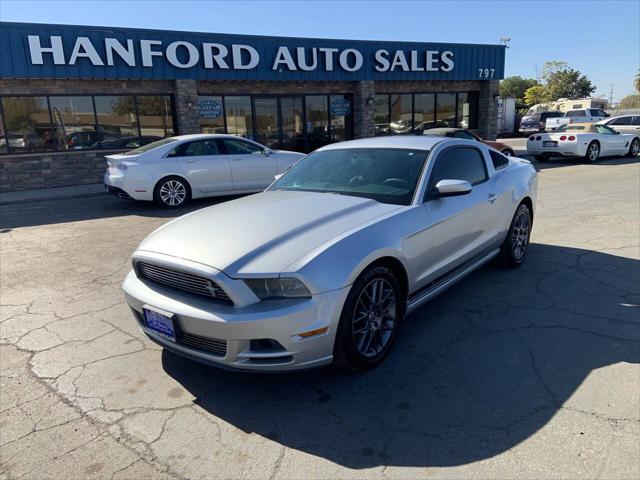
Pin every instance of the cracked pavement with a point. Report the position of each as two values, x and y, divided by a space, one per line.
528 373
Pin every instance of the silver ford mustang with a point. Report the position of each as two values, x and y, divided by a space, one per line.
323 266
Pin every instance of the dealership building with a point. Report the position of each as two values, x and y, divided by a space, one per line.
70 94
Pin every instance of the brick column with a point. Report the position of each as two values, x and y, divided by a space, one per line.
363 113
186 100
488 109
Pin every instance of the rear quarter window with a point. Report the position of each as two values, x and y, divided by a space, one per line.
499 160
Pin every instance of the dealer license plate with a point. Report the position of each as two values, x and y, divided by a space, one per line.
549 144
160 323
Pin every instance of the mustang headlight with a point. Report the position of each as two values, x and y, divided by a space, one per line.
269 288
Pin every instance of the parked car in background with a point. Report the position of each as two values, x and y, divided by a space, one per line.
623 123
174 170
536 122
585 115
324 264
126 142
87 139
467 135
588 141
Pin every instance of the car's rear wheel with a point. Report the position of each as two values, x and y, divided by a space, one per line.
634 148
542 158
369 320
172 192
515 247
593 152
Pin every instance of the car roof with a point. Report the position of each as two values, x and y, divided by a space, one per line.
440 130
414 142
205 136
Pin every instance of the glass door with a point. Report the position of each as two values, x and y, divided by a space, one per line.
293 137
267 124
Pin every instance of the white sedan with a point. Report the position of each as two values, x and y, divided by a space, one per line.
583 140
324 264
174 170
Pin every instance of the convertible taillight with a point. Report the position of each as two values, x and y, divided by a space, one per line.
563 138
538 138
532 138
571 138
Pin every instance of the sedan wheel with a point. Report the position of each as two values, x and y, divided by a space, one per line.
634 149
172 192
369 321
514 248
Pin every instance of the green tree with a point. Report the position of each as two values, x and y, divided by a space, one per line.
630 101
515 86
562 81
636 82
536 94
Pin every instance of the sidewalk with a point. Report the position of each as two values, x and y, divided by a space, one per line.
52 194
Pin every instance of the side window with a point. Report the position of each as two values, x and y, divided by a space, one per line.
621 121
197 148
636 120
459 163
498 159
576 113
602 129
238 147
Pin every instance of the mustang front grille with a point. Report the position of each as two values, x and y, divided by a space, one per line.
187 282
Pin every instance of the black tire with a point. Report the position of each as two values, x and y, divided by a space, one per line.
172 192
634 148
593 152
508 152
515 247
357 315
542 158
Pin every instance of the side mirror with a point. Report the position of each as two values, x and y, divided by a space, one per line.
267 152
452 188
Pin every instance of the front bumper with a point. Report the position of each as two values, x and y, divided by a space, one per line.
201 323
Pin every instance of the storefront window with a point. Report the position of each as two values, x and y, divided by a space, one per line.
116 116
401 114
468 110
75 122
239 119
155 115
3 139
341 118
27 123
292 124
425 111
446 110
211 114
381 115
317 121
267 130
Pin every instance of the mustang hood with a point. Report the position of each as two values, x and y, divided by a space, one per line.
263 233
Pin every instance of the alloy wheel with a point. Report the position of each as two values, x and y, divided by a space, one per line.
520 234
594 152
173 193
374 317
635 147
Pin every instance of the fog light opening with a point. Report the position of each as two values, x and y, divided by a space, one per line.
266 345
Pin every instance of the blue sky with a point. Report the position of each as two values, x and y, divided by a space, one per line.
599 38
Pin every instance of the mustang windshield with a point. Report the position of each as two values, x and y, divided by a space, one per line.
387 175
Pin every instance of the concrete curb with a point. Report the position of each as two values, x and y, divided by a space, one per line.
46 194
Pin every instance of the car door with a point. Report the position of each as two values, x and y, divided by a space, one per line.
252 166
203 165
611 143
461 226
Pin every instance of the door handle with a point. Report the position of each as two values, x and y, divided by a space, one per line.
237 159
492 197
189 161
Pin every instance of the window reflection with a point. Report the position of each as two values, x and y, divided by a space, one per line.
211 114
425 111
28 125
341 125
75 121
381 114
446 109
239 119
155 115
292 126
116 120
267 131
317 121
401 114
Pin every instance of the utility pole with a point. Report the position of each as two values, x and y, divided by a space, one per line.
611 97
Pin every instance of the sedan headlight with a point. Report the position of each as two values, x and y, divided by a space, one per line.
271 288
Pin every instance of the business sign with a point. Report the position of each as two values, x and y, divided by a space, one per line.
210 109
341 107
58 51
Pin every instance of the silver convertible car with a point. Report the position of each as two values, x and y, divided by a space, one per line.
324 264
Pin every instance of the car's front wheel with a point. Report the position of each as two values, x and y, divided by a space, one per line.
634 148
593 152
172 192
369 321
515 247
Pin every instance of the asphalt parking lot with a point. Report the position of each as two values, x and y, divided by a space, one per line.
529 373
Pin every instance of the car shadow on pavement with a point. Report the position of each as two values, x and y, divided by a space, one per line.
473 373
556 162
29 214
